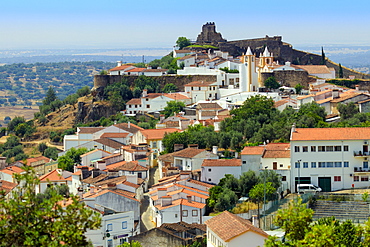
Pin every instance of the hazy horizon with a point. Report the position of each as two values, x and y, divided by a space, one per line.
44 24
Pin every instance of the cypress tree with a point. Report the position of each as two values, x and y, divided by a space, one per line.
323 59
340 71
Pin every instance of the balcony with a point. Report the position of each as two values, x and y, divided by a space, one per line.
361 154
361 170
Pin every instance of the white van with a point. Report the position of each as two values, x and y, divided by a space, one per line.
307 188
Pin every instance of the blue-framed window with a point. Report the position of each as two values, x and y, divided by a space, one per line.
109 227
338 164
297 165
321 164
365 164
313 164
124 225
345 164
305 164
329 164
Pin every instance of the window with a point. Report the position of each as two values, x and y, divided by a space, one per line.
313 148
124 225
122 240
109 227
210 95
337 148
244 162
194 213
297 165
209 169
139 175
296 149
345 148
135 106
313 164
209 180
184 213
338 164
345 164
154 144
281 165
283 178
337 178
356 178
329 148
321 164
110 243
365 164
329 164
364 178
146 99
305 149
321 148
147 106
305 164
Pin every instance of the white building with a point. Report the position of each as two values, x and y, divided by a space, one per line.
331 158
214 170
230 230
202 90
190 159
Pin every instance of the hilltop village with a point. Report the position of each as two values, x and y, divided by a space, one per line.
251 126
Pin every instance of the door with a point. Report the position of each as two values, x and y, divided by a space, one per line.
325 184
365 149
274 165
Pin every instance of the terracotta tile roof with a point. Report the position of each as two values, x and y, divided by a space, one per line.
166 157
331 134
323 101
136 70
200 183
115 191
134 101
222 162
283 102
228 226
183 51
12 169
133 128
7 186
344 97
313 69
363 101
56 175
131 184
114 135
116 180
305 96
91 180
122 67
253 150
277 150
176 96
157 134
188 152
155 70
111 156
36 159
199 84
182 202
209 106
89 130
110 143
127 166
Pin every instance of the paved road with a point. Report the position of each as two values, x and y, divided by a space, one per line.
146 222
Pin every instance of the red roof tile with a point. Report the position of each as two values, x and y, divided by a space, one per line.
157 134
331 134
253 150
222 162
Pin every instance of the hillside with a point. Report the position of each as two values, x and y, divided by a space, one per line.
26 84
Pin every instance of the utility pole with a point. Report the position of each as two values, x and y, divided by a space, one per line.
264 198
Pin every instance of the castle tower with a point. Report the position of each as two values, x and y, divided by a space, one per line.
209 34
265 61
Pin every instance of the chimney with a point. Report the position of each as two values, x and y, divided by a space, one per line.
166 200
161 118
287 64
357 87
128 124
184 175
236 155
335 93
255 221
214 149
189 198
119 63
293 128
112 186
1 183
145 93
178 147
161 192
194 146
92 189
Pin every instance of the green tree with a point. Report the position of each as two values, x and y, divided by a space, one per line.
42 147
347 110
226 200
247 181
25 221
214 194
51 152
15 122
298 88
323 58
50 96
230 182
340 72
131 244
172 107
272 83
170 87
270 176
71 157
182 42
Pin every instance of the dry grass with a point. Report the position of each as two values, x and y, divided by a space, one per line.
244 207
16 111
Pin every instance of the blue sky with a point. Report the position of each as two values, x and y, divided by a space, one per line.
124 24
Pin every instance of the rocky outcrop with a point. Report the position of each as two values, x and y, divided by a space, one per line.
89 112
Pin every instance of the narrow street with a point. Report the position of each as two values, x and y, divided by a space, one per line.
146 222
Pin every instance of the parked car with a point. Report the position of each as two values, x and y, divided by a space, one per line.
308 188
